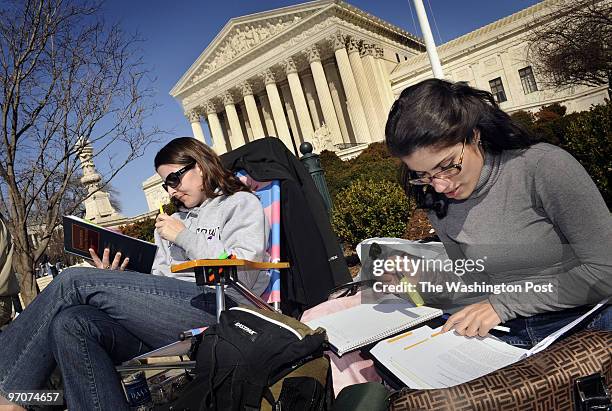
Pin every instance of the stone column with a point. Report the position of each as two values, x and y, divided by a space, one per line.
227 131
311 98
291 116
299 101
236 138
278 113
216 132
251 109
196 126
244 122
357 114
267 115
339 99
379 53
375 83
364 91
325 99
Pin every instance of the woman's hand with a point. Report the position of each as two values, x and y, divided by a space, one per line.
475 319
105 264
168 227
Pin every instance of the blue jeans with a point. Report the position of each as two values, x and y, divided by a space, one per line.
88 320
525 332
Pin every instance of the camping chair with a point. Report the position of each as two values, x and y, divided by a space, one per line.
223 272
272 159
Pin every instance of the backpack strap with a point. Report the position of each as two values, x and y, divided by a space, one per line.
252 393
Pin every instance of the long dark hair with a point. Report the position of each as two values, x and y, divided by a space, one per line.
441 114
188 150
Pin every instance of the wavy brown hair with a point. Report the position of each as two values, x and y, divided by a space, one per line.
187 150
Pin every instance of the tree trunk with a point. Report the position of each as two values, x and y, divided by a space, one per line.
24 265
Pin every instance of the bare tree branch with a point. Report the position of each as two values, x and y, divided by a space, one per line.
66 78
574 46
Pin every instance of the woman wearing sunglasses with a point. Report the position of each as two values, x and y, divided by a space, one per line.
527 210
88 320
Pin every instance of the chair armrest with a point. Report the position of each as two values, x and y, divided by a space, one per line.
234 262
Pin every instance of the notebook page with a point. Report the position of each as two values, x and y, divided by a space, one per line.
368 323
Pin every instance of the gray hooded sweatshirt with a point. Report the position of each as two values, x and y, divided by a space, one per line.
234 224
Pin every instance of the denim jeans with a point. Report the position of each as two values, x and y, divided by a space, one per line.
525 332
90 320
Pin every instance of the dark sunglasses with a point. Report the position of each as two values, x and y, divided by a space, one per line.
173 180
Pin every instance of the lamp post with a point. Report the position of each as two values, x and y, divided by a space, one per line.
312 162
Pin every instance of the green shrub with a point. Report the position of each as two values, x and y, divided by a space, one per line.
374 163
588 137
551 112
144 229
526 118
368 208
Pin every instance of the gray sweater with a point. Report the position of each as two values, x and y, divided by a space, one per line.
537 217
234 224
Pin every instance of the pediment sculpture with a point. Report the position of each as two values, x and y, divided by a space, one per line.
244 38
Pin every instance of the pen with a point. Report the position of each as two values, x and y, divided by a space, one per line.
497 327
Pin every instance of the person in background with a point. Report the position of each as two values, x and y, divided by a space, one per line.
8 282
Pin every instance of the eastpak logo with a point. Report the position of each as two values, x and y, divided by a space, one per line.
249 332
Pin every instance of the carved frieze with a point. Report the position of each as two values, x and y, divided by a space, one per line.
243 39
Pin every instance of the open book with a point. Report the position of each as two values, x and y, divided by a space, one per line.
425 358
366 324
80 235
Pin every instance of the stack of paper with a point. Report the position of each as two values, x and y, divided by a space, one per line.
427 359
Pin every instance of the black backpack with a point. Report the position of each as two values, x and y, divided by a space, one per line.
256 359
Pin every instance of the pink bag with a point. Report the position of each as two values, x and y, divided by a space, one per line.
351 368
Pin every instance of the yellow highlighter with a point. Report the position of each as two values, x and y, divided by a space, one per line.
161 208
413 295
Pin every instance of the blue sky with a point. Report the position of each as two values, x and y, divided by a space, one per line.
176 32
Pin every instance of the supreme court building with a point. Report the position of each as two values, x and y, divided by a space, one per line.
319 67
327 72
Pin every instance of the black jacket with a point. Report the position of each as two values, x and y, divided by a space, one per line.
307 240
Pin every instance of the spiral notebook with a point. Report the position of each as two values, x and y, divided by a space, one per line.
366 324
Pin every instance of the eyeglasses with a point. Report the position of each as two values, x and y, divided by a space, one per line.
446 172
174 179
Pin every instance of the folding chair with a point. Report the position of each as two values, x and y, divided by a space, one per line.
223 272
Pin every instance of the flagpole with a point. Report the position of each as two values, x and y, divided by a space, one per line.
430 45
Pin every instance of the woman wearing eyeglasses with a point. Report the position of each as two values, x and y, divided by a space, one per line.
527 210
88 320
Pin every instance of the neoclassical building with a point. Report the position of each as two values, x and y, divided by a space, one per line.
328 72
318 70
494 58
